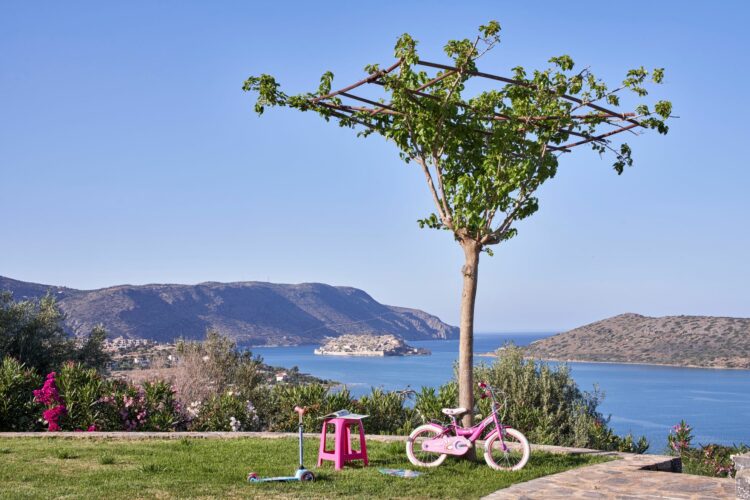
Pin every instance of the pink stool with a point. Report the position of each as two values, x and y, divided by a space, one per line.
342 451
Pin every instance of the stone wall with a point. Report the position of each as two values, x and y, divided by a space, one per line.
742 475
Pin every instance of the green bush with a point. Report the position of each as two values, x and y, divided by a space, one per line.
429 402
18 410
163 411
387 413
712 460
318 398
545 403
81 389
225 412
599 436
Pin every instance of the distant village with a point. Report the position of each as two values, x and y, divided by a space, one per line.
129 355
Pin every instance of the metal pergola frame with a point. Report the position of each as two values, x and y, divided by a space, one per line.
623 122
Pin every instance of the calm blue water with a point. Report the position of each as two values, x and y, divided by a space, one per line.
644 400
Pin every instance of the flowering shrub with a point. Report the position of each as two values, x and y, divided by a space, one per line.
543 401
225 412
78 398
151 407
80 389
680 437
18 409
132 406
49 396
708 460
160 410
717 459
52 417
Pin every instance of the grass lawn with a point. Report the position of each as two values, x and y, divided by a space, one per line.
195 468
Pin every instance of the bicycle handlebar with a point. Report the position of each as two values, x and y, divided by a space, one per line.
404 393
489 392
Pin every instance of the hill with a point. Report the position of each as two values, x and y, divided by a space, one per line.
700 341
250 312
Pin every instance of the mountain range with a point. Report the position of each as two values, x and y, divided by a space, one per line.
252 313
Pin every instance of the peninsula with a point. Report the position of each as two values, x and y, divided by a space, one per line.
690 341
368 345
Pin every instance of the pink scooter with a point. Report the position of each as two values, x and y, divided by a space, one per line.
302 474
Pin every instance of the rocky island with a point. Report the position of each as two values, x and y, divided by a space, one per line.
368 345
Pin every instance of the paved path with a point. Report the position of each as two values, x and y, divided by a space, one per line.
629 477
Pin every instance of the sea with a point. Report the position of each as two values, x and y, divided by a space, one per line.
639 399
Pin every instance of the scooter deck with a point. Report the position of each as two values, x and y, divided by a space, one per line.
274 479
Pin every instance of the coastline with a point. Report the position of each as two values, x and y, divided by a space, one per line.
639 363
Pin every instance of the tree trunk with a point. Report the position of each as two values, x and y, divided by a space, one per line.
466 342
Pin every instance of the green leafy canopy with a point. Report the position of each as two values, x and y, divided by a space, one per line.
484 154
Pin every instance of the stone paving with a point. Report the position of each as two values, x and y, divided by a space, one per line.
742 476
628 477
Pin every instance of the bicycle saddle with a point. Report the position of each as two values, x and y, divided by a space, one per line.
454 412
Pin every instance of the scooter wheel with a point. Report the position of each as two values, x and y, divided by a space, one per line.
307 476
252 477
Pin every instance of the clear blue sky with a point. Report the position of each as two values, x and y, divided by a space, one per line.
128 154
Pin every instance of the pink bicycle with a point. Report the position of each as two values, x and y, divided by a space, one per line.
505 448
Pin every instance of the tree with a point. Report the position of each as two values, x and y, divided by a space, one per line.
31 331
91 353
484 154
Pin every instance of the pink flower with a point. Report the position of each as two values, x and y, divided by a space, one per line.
52 416
48 394
92 428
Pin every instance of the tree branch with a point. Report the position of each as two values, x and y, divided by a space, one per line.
431 184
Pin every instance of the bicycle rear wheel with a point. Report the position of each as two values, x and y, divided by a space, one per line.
509 453
414 450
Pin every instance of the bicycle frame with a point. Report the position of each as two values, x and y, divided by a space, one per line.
474 432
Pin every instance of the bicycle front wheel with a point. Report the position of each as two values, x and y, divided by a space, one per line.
509 453
414 450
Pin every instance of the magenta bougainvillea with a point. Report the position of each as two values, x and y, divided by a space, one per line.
49 396
52 417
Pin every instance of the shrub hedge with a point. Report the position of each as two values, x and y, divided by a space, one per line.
541 400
